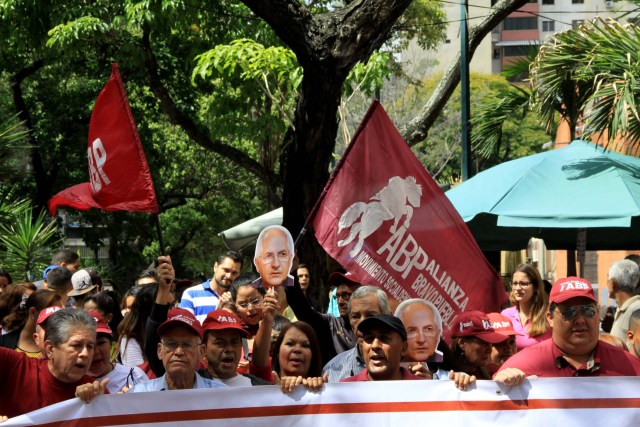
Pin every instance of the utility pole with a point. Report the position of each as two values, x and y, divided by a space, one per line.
465 109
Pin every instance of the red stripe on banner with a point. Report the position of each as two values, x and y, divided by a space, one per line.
350 408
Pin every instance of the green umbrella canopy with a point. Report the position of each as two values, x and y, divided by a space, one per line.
550 196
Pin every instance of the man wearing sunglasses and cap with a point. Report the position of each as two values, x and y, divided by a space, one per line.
573 349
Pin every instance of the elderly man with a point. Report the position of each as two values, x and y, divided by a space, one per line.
423 324
633 334
384 343
203 298
623 280
180 349
335 334
274 257
365 302
574 348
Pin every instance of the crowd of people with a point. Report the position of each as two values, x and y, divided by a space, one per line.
70 336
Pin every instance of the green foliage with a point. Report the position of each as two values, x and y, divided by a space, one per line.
26 243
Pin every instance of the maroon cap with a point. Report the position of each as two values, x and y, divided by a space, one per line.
475 324
44 314
571 287
223 320
336 278
101 327
181 317
502 324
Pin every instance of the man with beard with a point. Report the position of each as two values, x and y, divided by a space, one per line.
203 298
573 349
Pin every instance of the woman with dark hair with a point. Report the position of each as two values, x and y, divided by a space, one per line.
530 304
296 358
107 307
5 279
131 329
22 319
472 339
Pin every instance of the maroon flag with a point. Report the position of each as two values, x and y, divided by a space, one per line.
388 222
118 169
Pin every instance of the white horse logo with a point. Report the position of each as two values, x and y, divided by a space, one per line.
394 201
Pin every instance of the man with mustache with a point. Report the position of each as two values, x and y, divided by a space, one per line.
574 348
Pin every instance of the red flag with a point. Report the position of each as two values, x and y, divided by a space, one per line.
388 222
118 169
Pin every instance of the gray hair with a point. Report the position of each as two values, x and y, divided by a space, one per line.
404 305
284 231
61 323
365 290
626 274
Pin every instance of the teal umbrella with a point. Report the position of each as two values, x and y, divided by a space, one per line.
551 196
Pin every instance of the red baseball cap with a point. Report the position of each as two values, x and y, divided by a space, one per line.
181 317
571 287
336 278
44 314
223 320
502 324
101 327
475 324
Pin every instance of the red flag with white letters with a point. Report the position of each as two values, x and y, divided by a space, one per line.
388 222
120 179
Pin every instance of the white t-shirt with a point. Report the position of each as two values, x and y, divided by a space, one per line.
131 353
118 377
238 381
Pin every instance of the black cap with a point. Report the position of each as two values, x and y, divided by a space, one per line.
383 321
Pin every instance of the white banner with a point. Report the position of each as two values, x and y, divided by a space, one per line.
613 401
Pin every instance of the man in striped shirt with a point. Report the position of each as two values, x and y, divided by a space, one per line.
203 298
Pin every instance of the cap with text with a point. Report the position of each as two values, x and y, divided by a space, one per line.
502 324
44 314
475 323
223 320
571 287
181 317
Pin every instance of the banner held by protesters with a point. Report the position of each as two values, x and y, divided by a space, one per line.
388 222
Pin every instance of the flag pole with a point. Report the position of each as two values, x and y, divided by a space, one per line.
156 217
334 174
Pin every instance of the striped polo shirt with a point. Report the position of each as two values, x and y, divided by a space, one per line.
200 300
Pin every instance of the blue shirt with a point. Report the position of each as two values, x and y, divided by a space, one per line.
346 364
200 300
160 384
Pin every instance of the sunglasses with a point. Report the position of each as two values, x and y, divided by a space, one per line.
570 312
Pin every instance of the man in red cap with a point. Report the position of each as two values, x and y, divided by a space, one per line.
223 335
574 348
180 349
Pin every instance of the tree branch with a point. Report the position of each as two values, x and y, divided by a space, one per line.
417 129
191 128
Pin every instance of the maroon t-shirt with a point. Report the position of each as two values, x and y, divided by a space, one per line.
545 360
364 376
26 384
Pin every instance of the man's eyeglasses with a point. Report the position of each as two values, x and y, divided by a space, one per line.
283 256
570 312
254 302
173 345
427 331
523 285
344 295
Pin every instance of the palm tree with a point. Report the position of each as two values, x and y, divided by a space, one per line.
583 74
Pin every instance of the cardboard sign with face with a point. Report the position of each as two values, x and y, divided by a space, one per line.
274 257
